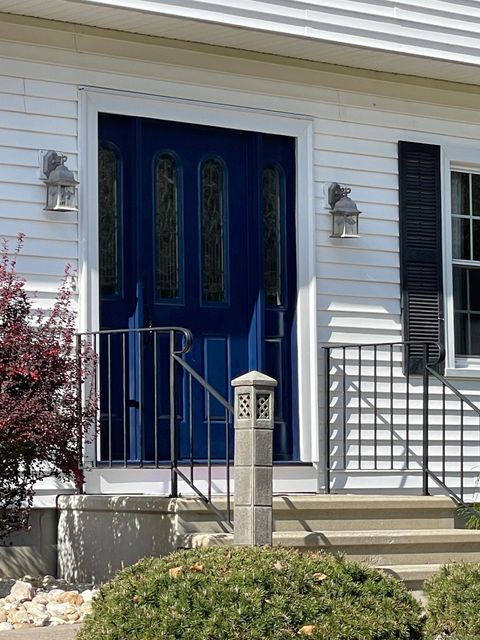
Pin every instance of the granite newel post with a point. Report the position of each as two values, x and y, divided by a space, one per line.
253 458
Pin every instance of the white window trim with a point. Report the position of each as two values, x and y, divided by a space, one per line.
94 100
461 159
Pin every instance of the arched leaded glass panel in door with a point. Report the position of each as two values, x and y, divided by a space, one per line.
108 220
213 231
167 229
272 227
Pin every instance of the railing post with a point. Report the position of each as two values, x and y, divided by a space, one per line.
80 434
326 413
253 472
173 422
425 422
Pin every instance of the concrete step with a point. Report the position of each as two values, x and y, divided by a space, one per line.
413 575
333 512
379 548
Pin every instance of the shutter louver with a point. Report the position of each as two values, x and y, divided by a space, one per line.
420 248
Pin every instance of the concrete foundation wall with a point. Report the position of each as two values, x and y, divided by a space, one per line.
98 535
32 552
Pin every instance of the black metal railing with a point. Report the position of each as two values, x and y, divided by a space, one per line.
157 411
465 444
379 417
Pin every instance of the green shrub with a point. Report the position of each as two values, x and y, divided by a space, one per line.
243 593
472 516
453 601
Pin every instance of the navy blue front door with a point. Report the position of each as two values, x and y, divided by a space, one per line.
197 229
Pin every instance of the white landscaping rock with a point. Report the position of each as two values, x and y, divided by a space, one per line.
43 602
18 617
22 591
89 595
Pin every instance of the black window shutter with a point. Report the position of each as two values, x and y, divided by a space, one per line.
420 249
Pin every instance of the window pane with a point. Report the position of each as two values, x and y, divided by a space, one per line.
272 262
461 334
460 193
461 238
474 289
460 288
475 335
475 194
167 229
213 249
108 203
476 239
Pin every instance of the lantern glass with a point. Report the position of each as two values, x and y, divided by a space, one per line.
344 225
61 197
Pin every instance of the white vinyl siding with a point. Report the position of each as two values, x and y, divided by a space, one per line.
36 115
355 143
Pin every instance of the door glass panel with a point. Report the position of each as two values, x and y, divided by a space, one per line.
108 211
167 280
272 251
213 233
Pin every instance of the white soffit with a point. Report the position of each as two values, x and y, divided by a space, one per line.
426 38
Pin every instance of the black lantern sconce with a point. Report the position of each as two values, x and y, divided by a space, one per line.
344 212
61 184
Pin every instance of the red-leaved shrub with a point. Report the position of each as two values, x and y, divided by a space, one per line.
42 414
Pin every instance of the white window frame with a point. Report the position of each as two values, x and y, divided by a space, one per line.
465 159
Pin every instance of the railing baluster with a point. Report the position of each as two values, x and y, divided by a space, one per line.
109 387
391 407
155 397
425 421
173 438
344 407
462 450
444 449
209 447
125 406
407 407
78 364
140 396
359 407
327 430
190 424
375 409
95 384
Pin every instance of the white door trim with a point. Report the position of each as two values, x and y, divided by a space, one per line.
93 101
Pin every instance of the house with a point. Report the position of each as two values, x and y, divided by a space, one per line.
206 138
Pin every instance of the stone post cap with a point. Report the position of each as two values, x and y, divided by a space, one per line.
253 378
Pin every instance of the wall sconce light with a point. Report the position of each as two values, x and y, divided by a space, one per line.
61 184
344 212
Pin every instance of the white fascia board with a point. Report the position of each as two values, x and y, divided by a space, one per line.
437 32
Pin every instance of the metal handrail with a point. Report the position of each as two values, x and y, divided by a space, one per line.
208 387
360 403
456 391
118 339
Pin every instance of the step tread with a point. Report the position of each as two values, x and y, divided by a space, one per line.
333 502
362 538
411 571
374 536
